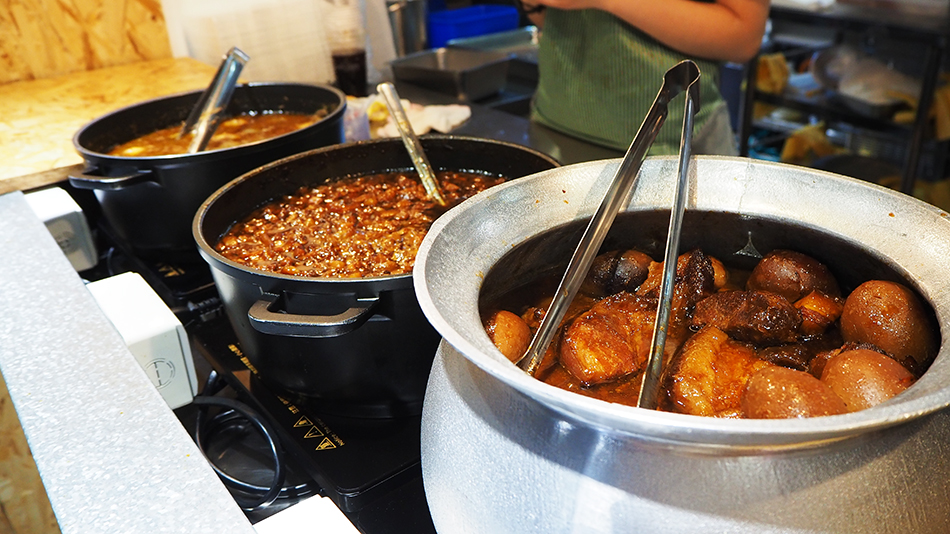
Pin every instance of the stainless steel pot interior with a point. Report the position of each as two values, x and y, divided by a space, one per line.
911 240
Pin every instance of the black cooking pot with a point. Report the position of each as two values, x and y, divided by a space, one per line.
353 346
150 202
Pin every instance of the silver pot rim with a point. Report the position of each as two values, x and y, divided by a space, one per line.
463 245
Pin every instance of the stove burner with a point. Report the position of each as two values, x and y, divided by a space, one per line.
184 283
369 467
331 443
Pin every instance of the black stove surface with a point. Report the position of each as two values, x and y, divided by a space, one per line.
370 468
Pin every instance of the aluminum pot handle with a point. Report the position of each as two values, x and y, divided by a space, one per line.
87 179
267 319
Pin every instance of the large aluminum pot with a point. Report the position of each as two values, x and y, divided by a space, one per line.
149 202
351 346
503 452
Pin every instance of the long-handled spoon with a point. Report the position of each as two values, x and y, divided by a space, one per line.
409 138
206 115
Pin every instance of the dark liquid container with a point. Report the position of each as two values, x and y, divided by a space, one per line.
350 69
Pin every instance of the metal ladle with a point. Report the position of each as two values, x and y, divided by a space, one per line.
206 115
683 76
409 138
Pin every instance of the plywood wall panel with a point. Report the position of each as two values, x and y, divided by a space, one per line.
45 38
24 506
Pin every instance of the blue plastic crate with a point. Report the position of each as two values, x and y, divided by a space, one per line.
470 22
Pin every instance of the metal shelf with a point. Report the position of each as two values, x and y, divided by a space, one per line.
930 31
829 110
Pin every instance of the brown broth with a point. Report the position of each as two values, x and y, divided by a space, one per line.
235 131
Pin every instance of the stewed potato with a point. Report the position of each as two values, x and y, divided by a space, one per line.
509 333
778 392
863 378
890 316
792 275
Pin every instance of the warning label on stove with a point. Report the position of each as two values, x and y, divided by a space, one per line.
314 432
325 444
315 429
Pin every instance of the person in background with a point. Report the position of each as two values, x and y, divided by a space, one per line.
601 64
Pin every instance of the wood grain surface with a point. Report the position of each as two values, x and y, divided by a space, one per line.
41 39
39 118
24 506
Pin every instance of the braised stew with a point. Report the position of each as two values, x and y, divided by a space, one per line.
779 341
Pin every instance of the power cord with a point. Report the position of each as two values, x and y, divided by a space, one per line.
234 412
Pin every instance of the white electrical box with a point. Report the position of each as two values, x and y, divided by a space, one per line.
66 221
153 334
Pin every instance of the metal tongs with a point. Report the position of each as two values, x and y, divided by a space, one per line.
683 76
206 115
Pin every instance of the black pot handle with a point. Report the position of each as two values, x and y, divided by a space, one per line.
89 180
266 319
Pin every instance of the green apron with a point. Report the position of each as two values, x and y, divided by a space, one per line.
599 76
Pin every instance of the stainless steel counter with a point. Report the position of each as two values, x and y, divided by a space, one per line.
112 456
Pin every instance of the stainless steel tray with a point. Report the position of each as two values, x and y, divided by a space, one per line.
468 74
521 43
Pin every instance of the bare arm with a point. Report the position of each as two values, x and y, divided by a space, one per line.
729 30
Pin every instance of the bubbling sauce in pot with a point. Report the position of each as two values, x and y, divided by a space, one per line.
349 227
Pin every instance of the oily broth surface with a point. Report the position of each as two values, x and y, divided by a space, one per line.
234 131
349 227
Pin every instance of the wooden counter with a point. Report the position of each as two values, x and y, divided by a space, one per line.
39 118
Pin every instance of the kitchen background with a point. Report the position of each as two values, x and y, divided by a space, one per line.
46 40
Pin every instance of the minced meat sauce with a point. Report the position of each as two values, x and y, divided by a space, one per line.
347 228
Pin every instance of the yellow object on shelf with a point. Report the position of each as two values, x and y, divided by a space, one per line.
377 112
808 144
772 73
941 113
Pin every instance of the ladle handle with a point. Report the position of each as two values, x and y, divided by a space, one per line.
653 370
617 195
409 138
204 117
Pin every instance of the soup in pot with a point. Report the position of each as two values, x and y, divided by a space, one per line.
235 131
780 341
